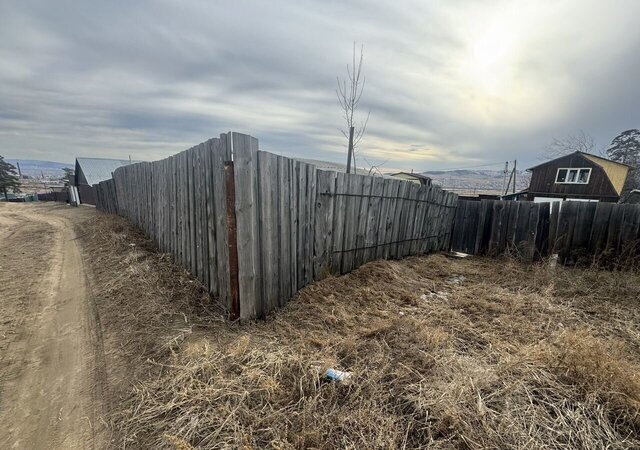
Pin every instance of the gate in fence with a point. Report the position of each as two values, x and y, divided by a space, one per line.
256 227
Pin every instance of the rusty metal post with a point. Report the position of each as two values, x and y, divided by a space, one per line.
233 240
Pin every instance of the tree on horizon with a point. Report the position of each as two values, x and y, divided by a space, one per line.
9 179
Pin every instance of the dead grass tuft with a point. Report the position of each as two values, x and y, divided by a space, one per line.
513 356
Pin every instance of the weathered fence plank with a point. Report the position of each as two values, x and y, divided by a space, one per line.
245 150
323 245
284 231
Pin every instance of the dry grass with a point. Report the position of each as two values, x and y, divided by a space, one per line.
514 356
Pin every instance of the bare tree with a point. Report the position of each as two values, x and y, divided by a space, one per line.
579 142
349 92
373 168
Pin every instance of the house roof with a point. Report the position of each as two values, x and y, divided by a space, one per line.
96 170
412 174
515 194
328 165
590 156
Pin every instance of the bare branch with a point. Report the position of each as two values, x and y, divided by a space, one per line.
349 92
579 142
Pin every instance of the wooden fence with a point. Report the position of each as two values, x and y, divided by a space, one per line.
54 197
309 223
256 227
573 230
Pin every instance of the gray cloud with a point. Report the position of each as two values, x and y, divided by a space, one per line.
449 84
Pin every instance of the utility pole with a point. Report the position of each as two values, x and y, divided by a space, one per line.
504 179
19 171
512 176
350 154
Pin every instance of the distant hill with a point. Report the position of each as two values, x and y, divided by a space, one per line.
36 169
476 181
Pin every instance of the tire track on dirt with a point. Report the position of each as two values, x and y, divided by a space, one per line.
48 379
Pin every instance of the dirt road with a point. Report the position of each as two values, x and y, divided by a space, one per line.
49 375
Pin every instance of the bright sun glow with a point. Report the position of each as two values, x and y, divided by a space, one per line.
491 59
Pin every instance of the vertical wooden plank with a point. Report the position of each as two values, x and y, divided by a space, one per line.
193 213
512 224
466 231
407 208
374 217
390 192
441 208
584 223
182 211
521 237
197 212
208 229
411 207
598 237
201 209
613 230
232 263
284 236
362 221
245 150
542 232
534 219
628 228
566 227
301 176
158 183
483 232
267 245
501 242
339 223
163 204
497 221
310 219
353 193
472 221
174 209
399 219
326 184
458 225
221 170
434 232
419 220
444 241
294 172
204 175
554 219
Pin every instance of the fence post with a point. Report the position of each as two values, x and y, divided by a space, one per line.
233 240
245 169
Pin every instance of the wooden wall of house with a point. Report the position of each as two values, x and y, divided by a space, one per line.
544 176
87 194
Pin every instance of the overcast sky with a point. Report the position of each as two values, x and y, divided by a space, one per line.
449 84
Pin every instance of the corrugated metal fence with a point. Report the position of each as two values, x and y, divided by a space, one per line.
256 227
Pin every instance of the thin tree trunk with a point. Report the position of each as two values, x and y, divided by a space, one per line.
350 155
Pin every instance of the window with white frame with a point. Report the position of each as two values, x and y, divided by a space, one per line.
573 176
